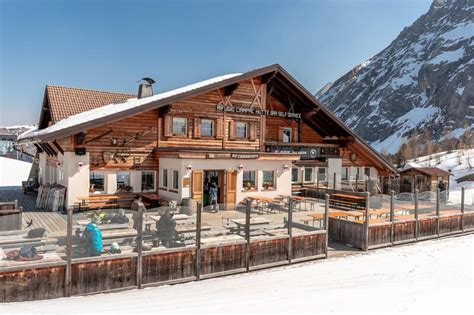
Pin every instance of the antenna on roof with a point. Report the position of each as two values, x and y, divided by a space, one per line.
145 89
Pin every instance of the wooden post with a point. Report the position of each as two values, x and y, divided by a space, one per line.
462 208
317 182
357 180
392 215
247 234
326 221
197 271
139 241
334 182
290 228
67 278
366 223
416 214
437 211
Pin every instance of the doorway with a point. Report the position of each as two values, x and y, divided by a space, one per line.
213 177
226 182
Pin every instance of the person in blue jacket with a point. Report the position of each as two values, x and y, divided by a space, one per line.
94 236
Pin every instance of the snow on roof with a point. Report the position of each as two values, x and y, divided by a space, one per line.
114 108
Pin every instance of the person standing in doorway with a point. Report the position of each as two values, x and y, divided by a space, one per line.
213 195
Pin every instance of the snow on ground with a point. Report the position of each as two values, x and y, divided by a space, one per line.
13 172
457 162
429 277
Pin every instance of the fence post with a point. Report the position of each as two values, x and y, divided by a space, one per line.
462 208
139 241
392 215
416 214
290 228
334 182
326 221
197 271
67 279
357 180
247 234
437 211
366 223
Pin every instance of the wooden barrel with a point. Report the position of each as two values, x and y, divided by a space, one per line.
188 206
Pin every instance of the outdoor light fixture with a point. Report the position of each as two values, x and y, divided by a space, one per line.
80 165
59 163
189 168
286 167
240 167
114 142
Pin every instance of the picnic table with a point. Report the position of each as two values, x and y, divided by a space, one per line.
315 217
255 223
351 202
97 201
261 202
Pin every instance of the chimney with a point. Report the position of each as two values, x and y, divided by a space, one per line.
145 88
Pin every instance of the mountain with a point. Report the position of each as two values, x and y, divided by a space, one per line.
423 80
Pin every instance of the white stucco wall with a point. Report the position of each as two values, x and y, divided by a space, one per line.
283 178
75 177
334 166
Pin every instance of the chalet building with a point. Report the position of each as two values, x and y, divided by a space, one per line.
256 133
423 179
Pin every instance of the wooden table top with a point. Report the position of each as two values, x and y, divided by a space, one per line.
261 198
98 197
253 221
348 196
340 213
316 216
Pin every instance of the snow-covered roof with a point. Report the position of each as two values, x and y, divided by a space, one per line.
114 108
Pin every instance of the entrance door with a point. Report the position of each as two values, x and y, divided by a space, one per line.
231 188
197 187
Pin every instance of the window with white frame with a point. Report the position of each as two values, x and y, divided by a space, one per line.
96 182
164 178
249 180
308 174
295 174
175 179
180 126
367 171
345 173
268 180
148 181
241 130
322 174
123 182
207 127
287 135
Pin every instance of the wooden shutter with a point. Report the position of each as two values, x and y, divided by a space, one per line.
295 134
280 134
219 128
197 127
168 126
232 130
253 131
197 185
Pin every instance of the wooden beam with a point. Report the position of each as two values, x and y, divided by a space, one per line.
38 147
230 89
50 148
267 78
58 147
99 136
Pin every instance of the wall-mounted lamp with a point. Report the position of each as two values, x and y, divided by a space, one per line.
286 167
189 169
114 142
80 165
240 167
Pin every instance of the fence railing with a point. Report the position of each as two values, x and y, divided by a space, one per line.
160 246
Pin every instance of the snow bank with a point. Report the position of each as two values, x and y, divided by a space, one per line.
13 172
428 277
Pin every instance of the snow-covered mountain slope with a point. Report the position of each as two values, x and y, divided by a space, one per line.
13 172
423 79
459 163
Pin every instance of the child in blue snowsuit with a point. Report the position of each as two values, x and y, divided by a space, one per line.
94 236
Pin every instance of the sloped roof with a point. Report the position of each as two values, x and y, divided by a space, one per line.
466 178
321 117
67 101
432 171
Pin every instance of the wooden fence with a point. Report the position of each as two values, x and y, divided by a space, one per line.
393 232
156 267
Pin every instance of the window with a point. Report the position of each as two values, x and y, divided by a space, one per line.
308 174
241 130
322 174
175 179
148 181
249 181
287 134
123 182
164 178
294 174
96 182
180 126
268 180
367 171
345 173
207 127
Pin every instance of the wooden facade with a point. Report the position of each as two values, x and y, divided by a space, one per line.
423 179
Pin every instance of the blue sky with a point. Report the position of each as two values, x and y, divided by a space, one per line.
109 45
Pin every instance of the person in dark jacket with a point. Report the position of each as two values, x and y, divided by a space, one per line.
137 207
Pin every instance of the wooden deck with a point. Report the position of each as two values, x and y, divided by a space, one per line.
53 222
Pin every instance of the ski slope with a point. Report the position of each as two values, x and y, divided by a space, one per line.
433 277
